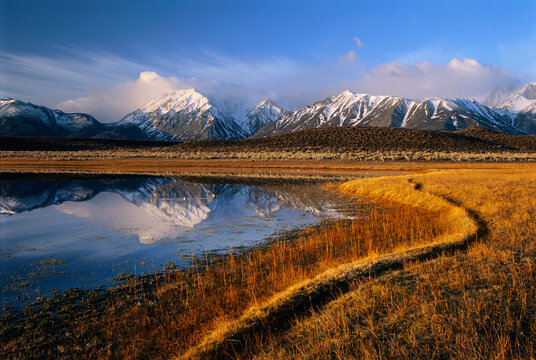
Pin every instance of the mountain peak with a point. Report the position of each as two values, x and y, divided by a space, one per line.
179 99
528 90
23 118
264 113
346 93
190 115
265 102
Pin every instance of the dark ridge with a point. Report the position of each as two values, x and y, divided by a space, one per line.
521 142
330 139
349 139
44 143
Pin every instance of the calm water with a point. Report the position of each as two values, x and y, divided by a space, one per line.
56 235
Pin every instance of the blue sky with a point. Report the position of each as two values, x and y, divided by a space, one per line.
73 54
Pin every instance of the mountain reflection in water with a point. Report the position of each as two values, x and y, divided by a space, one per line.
154 208
60 234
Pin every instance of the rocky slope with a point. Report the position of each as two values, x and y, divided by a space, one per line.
186 115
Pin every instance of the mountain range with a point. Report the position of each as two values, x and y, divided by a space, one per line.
18 118
187 115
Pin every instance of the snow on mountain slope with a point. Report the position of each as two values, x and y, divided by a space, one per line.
249 118
18 118
454 114
182 115
517 102
344 109
513 98
190 115
351 109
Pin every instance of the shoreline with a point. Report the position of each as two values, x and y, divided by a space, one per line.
244 167
130 291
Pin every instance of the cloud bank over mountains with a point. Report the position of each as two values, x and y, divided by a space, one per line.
106 86
112 103
458 78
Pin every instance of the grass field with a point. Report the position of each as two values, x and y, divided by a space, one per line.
442 267
478 303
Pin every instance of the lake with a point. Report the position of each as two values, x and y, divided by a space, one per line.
84 232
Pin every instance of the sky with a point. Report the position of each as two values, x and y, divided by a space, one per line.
109 57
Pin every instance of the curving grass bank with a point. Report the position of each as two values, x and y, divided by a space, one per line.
474 304
278 312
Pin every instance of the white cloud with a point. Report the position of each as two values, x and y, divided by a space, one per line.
109 87
458 78
349 57
112 103
358 42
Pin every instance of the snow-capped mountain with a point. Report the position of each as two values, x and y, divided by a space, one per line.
18 118
190 115
249 118
351 109
519 103
183 115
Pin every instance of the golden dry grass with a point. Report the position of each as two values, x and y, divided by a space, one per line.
476 304
399 190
